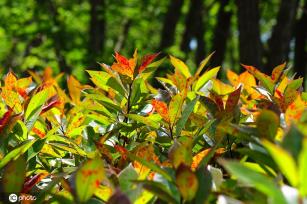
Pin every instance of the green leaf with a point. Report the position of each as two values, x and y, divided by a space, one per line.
186 182
203 63
174 108
205 183
292 141
181 152
185 115
295 84
126 178
138 91
262 183
159 190
15 153
212 73
267 124
284 161
14 175
88 178
303 170
105 81
36 102
35 107
181 66
35 148
145 120
20 131
209 104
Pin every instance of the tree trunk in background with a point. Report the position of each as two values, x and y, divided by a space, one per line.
199 32
194 28
249 32
300 63
97 29
279 42
58 37
123 36
221 34
170 22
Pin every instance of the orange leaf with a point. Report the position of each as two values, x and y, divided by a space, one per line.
161 109
295 110
38 132
74 88
10 81
248 81
198 157
121 59
232 77
123 65
121 69
277 71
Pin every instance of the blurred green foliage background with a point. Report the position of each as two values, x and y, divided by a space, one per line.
73 35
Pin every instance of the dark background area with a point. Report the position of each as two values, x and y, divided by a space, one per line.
71 36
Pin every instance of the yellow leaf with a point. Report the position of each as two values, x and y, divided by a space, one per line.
181 66
74 88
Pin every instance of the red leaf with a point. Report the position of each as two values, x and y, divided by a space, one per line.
121 59
28 185
123 152
146 61
5 119
53 102
233 99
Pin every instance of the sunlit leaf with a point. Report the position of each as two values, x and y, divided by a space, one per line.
203 63
35 105
16 153
303 169
257 180
181 66
277 72
74 88
185 115
174 109
88 178
203 79
161 109
266 81
285 162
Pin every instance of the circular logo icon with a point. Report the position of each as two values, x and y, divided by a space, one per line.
13 198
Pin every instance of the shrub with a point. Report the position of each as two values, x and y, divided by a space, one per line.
120 140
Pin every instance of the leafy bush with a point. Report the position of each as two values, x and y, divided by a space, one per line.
120 140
